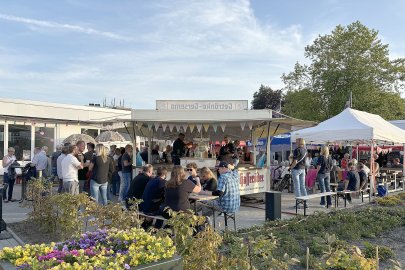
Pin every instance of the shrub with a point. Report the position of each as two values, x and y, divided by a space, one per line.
384 253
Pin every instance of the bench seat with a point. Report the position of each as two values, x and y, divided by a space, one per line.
303 199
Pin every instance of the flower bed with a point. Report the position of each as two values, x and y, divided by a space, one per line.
102 249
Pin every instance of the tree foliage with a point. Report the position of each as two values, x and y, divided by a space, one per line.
267 98
350 59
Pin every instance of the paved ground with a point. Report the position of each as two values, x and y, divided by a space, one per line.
252 211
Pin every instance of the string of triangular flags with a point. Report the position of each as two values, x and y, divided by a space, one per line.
191 127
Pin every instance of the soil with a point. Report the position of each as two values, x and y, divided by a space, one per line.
29 233
395 240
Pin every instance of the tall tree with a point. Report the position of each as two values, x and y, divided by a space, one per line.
267 98
350 59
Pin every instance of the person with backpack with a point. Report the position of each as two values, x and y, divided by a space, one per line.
324 166
298 168
8 182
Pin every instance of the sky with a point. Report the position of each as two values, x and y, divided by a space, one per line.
80 52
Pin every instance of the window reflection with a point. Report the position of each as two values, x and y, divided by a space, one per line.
19 137
44 136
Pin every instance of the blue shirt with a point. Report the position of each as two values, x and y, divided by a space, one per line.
153 195
228 183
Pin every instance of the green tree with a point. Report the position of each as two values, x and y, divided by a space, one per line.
350 59
267 98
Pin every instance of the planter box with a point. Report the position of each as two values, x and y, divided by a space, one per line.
175 263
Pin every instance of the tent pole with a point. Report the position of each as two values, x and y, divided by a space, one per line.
357 153
403 166
134 145
372 169
268 146
150 148
254 148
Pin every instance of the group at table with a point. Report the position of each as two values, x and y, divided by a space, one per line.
185 187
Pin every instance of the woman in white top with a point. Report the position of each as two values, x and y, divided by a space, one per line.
8 183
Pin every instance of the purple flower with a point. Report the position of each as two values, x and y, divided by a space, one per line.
127 266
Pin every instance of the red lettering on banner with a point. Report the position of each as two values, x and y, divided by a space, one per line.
245 179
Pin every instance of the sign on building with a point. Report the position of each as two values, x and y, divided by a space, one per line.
177 105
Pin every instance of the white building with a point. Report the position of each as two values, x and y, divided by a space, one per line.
26 124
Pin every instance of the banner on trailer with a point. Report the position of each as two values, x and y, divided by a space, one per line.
252 181
164 105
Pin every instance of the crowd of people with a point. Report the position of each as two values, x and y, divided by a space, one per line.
102 173
356 179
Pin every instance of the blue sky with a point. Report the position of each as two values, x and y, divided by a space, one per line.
77 51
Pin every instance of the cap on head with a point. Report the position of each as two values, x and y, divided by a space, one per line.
223 164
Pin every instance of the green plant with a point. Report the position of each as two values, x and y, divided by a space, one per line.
384 253
389 200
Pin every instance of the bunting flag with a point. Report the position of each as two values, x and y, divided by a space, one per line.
199 126
164 126
178 128
191 126
171 126
250 126
184 126
242 125
139 125
150 125
215 127
157 126
206 127
223 126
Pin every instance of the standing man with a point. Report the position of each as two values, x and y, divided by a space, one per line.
126 173
65 151
227 151
81 146
40 162
178 149
70 167
54 158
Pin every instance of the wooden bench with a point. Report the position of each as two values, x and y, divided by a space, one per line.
344 193
154 218
303 200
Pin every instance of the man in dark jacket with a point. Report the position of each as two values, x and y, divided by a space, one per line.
154 193
179 149
138 184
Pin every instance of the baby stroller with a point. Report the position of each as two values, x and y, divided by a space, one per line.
282 179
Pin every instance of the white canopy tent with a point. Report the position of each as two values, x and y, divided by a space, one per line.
353 127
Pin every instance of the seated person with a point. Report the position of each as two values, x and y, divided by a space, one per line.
351 182
363 176
396 164
334 172
227 190
178 190
138 184
192 172
154 193
208 179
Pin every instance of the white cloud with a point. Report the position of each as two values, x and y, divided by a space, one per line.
192 49
65 26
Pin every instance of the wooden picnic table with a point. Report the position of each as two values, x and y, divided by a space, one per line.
195 197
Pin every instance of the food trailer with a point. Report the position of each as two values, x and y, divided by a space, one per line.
202 123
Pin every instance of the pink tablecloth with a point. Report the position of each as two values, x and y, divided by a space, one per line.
310 178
